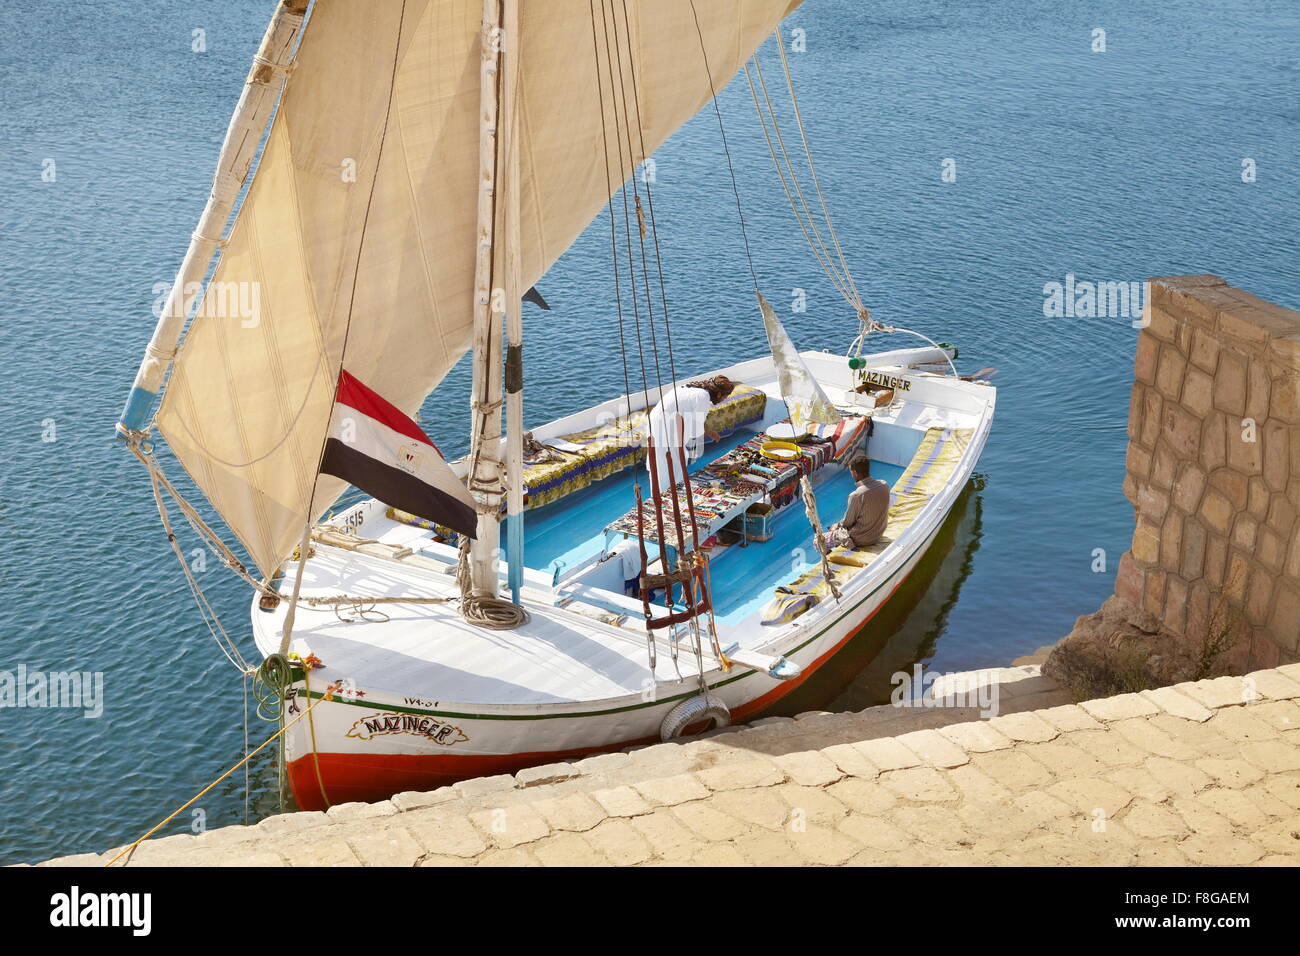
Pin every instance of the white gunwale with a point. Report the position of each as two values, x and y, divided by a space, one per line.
387 664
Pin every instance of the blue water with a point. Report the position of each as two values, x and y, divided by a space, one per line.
1113 166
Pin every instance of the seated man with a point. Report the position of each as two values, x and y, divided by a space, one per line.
867 512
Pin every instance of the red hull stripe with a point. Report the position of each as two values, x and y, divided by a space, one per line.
371 777
370 403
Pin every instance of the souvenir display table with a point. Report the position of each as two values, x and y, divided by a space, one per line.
724 489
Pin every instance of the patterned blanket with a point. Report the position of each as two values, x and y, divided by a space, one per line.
575 461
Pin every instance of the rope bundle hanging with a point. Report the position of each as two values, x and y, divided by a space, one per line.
810 509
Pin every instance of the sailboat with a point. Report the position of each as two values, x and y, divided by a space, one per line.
420 165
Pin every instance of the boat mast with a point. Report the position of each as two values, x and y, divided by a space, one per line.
486 468
514 374
256 103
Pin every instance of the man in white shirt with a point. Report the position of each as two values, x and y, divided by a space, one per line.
678 421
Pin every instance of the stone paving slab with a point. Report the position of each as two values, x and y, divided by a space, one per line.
1206 773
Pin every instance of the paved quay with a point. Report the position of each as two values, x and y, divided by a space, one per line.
1198 773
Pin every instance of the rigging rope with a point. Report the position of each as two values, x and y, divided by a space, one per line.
328 695
630 168
143 450
812 169
839 273
247 781
785 172
623 106
613 239
650 204
311 726
835 266
731 170
210 617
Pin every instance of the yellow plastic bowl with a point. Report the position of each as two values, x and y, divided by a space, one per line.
784 451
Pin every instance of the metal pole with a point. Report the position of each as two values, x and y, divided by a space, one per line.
514 377
485 439
303 550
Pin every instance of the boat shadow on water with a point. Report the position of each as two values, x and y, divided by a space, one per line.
906 628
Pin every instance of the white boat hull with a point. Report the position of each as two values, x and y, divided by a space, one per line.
373 747
366 743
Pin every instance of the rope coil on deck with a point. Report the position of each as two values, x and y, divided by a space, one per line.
495 614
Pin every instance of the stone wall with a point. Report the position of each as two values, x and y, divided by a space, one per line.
1204 773
1213 473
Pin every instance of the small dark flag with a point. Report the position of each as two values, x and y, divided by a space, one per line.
535 297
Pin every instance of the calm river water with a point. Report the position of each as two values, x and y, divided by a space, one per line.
1111 166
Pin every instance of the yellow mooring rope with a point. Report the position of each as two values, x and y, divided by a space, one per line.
328 695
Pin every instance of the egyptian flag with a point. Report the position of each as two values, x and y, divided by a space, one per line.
375 447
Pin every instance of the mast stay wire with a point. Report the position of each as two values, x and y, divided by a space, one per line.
630 168
731 170
616 60
614 252
840 275
856 299
789 181
622 109
642 228
688 585
649 192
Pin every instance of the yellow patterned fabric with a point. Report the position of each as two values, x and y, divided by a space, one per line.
617 444
415 521
931 467
744 406
935 459
804 592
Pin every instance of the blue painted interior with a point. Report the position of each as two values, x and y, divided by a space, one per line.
571 530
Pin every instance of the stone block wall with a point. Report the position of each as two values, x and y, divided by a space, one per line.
1213 467
1213 473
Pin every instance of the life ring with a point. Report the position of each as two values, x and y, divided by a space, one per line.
784 451
693 710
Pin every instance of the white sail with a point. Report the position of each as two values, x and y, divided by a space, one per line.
804 398
359 227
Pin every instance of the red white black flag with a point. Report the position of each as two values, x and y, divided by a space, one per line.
384 453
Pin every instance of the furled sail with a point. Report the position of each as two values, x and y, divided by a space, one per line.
358 232
804 398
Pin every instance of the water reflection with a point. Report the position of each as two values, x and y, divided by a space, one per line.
907 629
